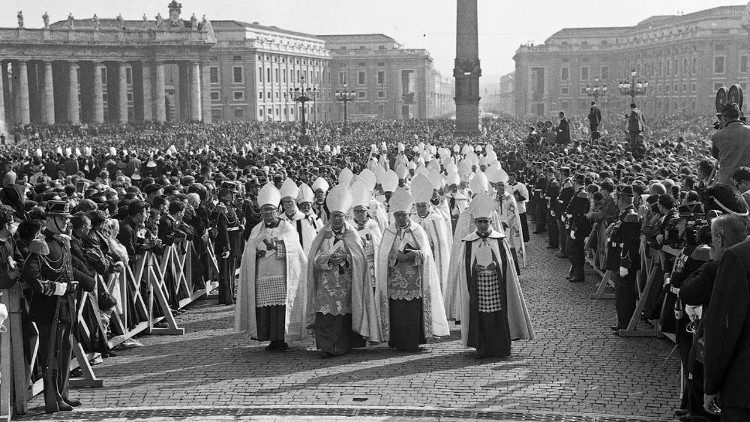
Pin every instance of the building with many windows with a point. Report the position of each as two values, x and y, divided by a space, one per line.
174 69
391 82
685 58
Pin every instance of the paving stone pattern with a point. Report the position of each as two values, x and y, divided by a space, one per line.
575 365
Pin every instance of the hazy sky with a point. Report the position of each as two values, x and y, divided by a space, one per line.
430 24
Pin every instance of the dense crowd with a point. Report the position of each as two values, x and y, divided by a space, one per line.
104 195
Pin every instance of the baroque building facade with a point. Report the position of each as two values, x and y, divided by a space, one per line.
685 59
174 69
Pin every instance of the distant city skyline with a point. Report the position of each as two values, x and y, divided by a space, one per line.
428 24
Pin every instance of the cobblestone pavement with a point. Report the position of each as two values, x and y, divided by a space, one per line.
575 366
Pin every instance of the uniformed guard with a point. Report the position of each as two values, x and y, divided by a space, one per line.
540 203
228 241
577 227
563 200
49 273
550 203
623 258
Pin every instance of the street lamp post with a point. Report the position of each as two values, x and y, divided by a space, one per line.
633 88
345 96
303 96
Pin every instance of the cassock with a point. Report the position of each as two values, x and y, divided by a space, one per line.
305 226
411 302
437 233
271 288
493 307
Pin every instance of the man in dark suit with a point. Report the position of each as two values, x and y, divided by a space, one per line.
635 125
595 118
563 130
727 335
578 227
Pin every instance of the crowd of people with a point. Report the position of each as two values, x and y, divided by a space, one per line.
388 230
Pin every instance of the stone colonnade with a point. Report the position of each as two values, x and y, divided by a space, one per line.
49 92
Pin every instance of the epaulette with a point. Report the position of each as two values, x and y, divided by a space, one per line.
632 217
39 247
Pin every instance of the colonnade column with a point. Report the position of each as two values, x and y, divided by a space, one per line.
206 94
147 97
24 115
195 92
122 93
48 110
159 106
98 102
74 113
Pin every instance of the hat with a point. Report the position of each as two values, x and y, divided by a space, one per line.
58 209
436 179
479 183
320 184
401 200
306 194
345 177
452 179
390 182
339 199
369 178
421 188
289 189
401 171
482 206
360 195
269 195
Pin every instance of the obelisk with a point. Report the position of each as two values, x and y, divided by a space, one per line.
467 69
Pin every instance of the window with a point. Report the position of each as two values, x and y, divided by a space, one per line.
719 64
238 95
667 72
129 75
743 64
260 96
584 73
276 75
675 67
717 85
583 90
284 73
104 75
342 78
238 112
362 77
277 95
361 94
565 73
381 94
268 75
692 87
381 109
260 74
130 97
381 77
269 95
692 66
381 47
213 74
215 96
237 58
260 112
237 73
564 91
605 73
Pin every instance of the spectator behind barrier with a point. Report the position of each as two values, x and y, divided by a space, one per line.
731 144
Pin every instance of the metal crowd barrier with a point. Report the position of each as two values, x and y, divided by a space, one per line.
144 290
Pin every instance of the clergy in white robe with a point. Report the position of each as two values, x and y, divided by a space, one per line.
494 309
272 285
305 200
341 309
411 302
304 226
369 230
434 224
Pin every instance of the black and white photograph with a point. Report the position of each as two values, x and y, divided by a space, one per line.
343 210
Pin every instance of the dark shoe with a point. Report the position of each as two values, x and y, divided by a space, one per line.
72 402
108 354
51 409
271 347
576 280
679 413
614 327
63 406
282 347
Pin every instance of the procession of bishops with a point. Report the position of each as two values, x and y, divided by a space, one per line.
389 255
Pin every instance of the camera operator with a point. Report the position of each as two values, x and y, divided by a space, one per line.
731 144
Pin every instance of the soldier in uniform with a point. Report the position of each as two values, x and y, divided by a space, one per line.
563 200
623 258
228 241
540 203
49 273
550 201
578 227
